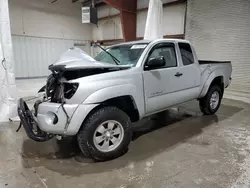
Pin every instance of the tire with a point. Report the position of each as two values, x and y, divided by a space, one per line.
205 106
97 121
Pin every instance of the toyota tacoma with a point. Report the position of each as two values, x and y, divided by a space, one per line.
97 99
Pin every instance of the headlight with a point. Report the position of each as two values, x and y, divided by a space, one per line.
70 89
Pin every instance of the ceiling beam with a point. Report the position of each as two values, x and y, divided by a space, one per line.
127 10
128 22
123 5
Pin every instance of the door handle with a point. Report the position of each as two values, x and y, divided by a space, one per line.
178 74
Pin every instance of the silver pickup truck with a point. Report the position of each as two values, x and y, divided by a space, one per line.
97 99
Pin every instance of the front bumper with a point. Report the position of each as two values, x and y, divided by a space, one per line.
30 125
54 118
47 112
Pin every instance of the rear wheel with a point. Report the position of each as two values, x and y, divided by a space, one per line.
106 134
211 102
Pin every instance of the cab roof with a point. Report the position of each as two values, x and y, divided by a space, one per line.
149 41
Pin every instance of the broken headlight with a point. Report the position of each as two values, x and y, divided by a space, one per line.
70 89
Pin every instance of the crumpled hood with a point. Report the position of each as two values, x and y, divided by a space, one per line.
76 58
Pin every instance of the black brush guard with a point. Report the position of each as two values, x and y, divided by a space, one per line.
30 126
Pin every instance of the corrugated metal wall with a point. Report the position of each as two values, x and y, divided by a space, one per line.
220 30
34 54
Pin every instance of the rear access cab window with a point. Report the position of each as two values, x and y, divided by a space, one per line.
186 54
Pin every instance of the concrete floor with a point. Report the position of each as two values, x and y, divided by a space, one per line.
173 149
29 87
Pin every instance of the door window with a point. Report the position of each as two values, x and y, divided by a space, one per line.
186 54
166 51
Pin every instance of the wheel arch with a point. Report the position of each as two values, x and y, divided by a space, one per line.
125 103
218 81
212 80
127 92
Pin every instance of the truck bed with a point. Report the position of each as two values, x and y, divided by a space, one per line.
202 62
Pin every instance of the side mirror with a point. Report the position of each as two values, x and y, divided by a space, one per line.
155 63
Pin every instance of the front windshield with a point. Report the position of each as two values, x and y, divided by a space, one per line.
127 54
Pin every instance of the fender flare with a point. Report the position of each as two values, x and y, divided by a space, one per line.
215 74
117 91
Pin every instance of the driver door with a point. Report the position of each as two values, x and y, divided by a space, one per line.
163 85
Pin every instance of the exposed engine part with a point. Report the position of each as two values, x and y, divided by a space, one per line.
70 89
57 89
54 88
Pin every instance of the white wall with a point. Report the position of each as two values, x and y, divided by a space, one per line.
110 28
33 55
42 31
61 19
107 10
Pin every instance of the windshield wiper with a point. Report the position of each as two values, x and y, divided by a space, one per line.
117 62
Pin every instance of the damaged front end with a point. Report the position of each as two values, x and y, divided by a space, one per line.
53 114
56 91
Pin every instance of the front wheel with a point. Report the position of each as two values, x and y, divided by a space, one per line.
211 102
105 134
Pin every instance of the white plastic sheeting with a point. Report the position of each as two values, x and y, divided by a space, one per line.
7 77
154 23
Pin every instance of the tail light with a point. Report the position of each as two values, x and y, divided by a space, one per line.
70 89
